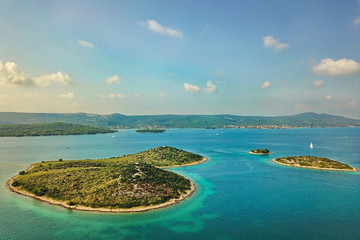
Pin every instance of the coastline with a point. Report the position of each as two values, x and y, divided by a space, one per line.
316 168
260 153
102 210
204 159
107 210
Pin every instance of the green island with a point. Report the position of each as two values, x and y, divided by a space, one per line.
314 163
148 130
48 129
260 151
130 183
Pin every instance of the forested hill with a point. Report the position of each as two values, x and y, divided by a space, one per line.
48 129
179 121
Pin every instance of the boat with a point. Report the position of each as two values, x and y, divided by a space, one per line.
311 145
113 136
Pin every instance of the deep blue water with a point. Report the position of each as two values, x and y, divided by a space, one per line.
239 195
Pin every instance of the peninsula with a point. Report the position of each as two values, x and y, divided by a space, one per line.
314 163
260 151
48 129
131 183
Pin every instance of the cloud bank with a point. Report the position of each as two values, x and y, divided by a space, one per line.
58 77
340 67
11 75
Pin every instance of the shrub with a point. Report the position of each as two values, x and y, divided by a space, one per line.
15 184
22 172
71 203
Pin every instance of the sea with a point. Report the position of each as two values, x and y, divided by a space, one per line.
239 195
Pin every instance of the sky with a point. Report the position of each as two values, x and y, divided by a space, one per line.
243 57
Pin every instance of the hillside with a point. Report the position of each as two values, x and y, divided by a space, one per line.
314 162
128 183
180 121
48 129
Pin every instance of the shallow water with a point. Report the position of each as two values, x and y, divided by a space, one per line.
239 195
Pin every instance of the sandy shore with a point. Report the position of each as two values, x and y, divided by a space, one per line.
328 169
107 210
204 159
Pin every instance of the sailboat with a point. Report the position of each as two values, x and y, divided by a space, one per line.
311 145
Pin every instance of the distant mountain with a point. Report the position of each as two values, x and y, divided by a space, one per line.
48 129
180 121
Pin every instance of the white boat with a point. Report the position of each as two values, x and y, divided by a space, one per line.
311 145
113 136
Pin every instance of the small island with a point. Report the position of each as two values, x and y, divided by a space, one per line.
131 183
150 130
260 151
314 163
48 129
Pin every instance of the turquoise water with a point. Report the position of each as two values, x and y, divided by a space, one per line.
239 196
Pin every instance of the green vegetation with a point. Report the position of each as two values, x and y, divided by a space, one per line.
313 162
48 129
260 151
180 121
123 182
148 130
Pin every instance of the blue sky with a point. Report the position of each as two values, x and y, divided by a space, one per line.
181 57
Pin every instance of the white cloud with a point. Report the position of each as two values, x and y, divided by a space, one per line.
210 87
318 83
357 20
3 96
266 84
58 77
116 95
328 97
340 67
163 95
31 95
154 26
69 95
86 44
191 88
136 95
273 43
114 80
10 75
